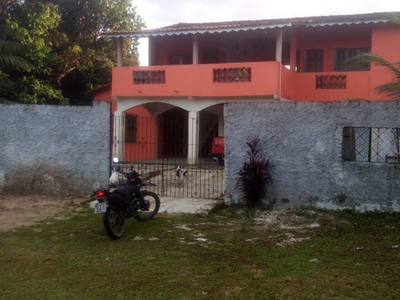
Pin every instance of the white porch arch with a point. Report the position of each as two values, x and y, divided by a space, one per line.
157 106
163 104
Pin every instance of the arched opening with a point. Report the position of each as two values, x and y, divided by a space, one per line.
159 138
160 130
211 126
173 133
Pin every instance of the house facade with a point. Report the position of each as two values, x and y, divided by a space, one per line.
194 69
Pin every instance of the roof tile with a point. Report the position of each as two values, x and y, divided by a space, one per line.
190 28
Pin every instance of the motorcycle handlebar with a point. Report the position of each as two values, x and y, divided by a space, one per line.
131 174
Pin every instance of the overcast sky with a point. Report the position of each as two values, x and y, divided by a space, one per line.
160 13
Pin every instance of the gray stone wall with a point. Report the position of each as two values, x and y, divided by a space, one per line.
54 149
304 143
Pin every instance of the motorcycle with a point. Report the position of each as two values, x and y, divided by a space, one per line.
125 201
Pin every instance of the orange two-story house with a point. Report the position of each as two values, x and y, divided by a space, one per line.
195 68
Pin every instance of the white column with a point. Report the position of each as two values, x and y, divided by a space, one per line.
119 135
279 43
278 56
119 52
193 138
195 49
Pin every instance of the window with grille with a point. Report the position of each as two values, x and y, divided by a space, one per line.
130 128
342 62
371 144
314 60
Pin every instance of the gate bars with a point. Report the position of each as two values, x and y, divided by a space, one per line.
157 147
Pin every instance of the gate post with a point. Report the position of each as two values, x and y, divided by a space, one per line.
193 138
119 135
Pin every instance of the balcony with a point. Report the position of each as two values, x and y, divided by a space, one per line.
326 86
206 80
249 79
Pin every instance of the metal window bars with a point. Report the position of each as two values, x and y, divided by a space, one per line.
371 144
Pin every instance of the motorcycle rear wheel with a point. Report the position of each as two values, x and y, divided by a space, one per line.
152 205
114 223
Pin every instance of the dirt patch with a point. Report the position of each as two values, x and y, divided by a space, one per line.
25 210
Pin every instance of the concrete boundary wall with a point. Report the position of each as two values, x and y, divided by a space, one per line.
304 143
53 149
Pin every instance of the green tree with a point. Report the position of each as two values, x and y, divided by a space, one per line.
9 60
60 39
4 14
88 59
32 24
9 52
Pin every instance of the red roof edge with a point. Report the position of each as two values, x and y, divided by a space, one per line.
99 89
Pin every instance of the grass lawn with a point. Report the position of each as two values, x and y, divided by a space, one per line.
233 253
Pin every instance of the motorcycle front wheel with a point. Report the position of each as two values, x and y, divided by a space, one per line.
149 208
114 223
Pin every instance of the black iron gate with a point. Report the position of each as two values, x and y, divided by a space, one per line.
158 147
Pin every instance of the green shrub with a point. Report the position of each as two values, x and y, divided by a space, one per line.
254 176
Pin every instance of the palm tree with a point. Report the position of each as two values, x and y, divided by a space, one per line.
8 53
9 61
391 89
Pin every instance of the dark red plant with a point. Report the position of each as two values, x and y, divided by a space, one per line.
254 176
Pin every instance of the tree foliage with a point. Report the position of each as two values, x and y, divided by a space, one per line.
9 52
9 59
58 40
390 89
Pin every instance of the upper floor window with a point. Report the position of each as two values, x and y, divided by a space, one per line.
343 55
314 60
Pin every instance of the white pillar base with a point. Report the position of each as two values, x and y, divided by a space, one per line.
193 138
119 135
